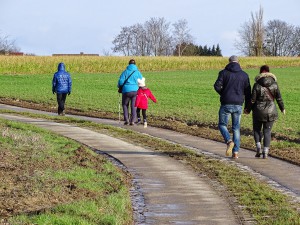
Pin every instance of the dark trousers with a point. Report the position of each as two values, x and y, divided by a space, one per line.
266 128
61 99
138 112
127 98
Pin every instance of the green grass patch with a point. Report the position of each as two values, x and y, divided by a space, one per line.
186 96
260 200
49 179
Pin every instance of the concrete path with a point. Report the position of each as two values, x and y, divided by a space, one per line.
173 193
282 175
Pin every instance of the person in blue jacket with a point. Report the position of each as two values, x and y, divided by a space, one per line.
61 85
128 81
233 86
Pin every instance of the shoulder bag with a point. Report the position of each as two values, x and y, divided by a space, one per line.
121 87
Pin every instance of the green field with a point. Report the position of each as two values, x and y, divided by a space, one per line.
185 94
182 95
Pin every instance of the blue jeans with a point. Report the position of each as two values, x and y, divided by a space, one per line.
235 111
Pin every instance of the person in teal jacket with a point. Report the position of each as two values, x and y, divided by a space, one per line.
129 84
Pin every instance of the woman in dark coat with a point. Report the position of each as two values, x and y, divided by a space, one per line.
264 92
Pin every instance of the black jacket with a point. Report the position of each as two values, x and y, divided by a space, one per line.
264 92
233 85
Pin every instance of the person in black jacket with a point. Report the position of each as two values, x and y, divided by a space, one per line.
264 92
234 88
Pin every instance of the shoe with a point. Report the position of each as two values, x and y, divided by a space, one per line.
126 123
265 155
138 121
132 124
265 152
145 124
235 155
258 153
230 146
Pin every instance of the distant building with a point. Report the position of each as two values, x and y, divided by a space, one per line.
80 54
15 53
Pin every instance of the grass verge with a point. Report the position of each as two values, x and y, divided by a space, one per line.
266 205
49 179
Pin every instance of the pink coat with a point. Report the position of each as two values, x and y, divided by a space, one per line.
142 98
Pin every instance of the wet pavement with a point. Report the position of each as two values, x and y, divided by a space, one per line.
173 194
164 181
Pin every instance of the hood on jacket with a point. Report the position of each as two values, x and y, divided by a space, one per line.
233 67
131 67
265 79
61 67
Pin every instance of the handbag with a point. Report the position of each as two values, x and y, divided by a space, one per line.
121 87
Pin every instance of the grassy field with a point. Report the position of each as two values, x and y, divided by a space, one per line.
254 196
186 96
182 86
48 179
47 64
184 89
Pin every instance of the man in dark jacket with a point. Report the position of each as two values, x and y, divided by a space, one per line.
234 88
61 85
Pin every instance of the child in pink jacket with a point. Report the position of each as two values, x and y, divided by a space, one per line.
141 102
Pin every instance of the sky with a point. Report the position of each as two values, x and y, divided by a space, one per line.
46 27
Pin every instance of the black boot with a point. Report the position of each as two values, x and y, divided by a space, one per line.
258 153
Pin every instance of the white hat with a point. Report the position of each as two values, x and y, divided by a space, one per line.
141 82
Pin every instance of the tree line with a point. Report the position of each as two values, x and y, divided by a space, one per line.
275 38
156 38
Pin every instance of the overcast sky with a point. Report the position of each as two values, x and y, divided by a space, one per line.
44 27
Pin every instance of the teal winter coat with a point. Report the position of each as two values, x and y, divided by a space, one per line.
131 84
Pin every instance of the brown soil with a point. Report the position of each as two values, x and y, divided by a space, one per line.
26 188
197 129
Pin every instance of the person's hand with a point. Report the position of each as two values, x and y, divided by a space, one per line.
246 111
69 93
283 111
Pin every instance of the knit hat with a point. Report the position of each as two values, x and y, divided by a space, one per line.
141 82
233 58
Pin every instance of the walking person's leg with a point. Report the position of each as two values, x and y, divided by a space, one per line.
125 102
257 125
236 123
138 114
267 129
63 100
133 108
60 103
144 117
224 114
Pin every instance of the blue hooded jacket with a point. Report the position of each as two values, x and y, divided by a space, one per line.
62 82
131 84
233 85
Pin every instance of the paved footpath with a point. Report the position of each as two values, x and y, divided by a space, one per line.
164 181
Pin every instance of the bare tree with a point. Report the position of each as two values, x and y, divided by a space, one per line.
281 39
7 45
296 41
157 30
123 41
181 36
252 35
139 40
